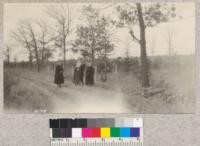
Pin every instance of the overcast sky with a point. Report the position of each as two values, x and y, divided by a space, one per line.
183 29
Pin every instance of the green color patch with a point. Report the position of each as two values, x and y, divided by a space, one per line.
115 132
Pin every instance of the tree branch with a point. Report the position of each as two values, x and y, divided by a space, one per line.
134 37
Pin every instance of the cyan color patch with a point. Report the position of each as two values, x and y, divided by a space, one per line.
125 132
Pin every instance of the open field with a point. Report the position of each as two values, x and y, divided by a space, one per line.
171 91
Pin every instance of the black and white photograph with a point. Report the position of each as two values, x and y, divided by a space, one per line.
89 57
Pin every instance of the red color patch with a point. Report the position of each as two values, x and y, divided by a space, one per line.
96 132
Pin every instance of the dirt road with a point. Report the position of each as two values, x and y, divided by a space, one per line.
78 99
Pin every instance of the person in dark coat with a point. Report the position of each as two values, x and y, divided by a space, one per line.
59 78
77 72
76 75
89 80
82 71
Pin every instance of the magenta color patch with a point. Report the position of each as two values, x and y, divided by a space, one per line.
86 132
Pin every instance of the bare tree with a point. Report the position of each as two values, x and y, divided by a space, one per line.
21 36
34 36
169 37
127 55
44 42
7 53
34 43
63 18
152 43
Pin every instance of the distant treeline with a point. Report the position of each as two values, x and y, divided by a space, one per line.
126 64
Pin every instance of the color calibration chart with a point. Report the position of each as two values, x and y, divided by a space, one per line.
96 132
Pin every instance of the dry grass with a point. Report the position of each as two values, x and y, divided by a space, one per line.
172 87
21 95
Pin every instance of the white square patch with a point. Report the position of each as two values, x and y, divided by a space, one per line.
77 132
138 122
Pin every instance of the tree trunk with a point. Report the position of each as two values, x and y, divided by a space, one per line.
143 55
38 64
64 44
170 49
36 53
43 54
93 45
30 60
105 64
64 51
8 56
105 70
30 54
8 59
92 55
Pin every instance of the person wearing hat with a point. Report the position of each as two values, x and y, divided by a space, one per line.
82 72
89 80
59 78
77 73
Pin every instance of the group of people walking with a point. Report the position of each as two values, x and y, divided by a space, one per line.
83 74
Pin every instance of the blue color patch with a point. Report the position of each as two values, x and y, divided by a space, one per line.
125 132
135 132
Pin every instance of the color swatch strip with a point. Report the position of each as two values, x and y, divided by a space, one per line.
92 123
95 128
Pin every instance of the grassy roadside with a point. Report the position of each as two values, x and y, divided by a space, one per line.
22 95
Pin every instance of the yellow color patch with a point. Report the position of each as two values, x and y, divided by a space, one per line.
105 132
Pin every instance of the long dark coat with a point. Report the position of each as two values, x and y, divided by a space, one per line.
81 75
89 80
76 75
59 78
